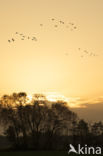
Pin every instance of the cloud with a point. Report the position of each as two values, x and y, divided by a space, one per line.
91 109
84 103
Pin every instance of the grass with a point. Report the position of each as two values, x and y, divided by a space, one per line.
34 153
38 153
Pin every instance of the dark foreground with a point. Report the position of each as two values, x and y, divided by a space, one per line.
32 153
39 153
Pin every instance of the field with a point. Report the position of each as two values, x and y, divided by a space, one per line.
32 153
37 153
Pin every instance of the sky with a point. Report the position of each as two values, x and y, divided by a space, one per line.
57 62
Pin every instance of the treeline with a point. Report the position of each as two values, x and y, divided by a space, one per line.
39 124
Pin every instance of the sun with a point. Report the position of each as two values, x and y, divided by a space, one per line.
54 97
29 98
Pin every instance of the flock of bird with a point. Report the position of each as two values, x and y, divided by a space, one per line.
56 24
86 53
69 25
22 37
83 53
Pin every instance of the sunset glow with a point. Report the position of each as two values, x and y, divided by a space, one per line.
53 97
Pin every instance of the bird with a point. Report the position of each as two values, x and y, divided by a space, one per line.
75 27
61 22
34 38
13 39
9 41
52 19
85 51
72 23
55 26
91 54
41 25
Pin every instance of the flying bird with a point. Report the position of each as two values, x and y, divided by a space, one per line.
52 19
13 39
55 26
34 38
75 27
9 41
41 25
85 51
61 22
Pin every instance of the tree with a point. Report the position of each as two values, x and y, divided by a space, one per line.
37 124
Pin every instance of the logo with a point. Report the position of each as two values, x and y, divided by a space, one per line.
84 150
72 149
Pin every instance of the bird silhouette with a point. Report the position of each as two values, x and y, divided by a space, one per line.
55 26
52 19
61 22
13 39
9 41
41 25
86 52
34 38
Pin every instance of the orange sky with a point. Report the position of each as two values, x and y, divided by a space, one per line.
53 63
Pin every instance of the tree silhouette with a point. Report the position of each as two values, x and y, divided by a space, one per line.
39 124
36 124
